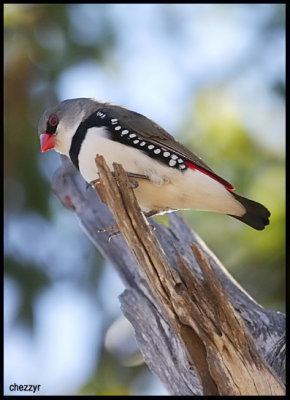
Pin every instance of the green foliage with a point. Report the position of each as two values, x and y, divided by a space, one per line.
163 219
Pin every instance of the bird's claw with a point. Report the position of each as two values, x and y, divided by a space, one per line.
93 183
152 227
134 182
110 228
130 175
113 234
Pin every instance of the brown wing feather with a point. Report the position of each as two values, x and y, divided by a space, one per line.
148 129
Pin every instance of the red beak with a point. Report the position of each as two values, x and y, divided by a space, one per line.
47 141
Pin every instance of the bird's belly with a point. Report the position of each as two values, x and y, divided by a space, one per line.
168 188
193 190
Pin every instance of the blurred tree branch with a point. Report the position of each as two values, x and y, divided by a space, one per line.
196 327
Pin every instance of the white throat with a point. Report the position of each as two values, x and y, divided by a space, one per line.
65 132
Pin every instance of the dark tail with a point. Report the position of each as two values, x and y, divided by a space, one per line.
256 215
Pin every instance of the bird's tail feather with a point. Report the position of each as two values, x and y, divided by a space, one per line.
256 215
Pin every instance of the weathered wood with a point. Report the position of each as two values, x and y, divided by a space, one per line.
168 327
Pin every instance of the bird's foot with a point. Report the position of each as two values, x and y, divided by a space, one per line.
113 234
110 228
135 183
152 227
131 176
115 227
149 214
93 183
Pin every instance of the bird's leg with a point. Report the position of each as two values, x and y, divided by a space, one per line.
94 182
113 227
113 234
129 174
132 175
151 213
135 183
110 228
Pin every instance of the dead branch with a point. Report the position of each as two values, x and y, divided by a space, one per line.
196 328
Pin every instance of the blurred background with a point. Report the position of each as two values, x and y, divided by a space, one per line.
213 75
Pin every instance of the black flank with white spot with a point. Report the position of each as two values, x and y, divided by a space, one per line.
122 135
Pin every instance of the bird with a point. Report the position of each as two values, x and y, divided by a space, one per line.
169 176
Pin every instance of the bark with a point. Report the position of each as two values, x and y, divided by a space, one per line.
197 329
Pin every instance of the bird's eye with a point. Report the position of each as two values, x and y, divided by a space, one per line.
52 124
53 120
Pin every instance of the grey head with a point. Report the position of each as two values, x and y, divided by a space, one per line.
70 113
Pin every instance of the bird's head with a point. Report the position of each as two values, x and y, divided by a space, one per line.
59 123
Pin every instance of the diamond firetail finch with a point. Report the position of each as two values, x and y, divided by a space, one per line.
170 177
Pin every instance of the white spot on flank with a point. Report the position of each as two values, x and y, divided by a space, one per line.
132 135
151 146
182 166
136 141
172 163
166 154
124 132
180 160
101 115
157 151
174 157
142 143
114 121
118 128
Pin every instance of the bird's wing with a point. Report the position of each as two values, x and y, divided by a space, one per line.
150 131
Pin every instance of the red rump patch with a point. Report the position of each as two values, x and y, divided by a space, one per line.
226 184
